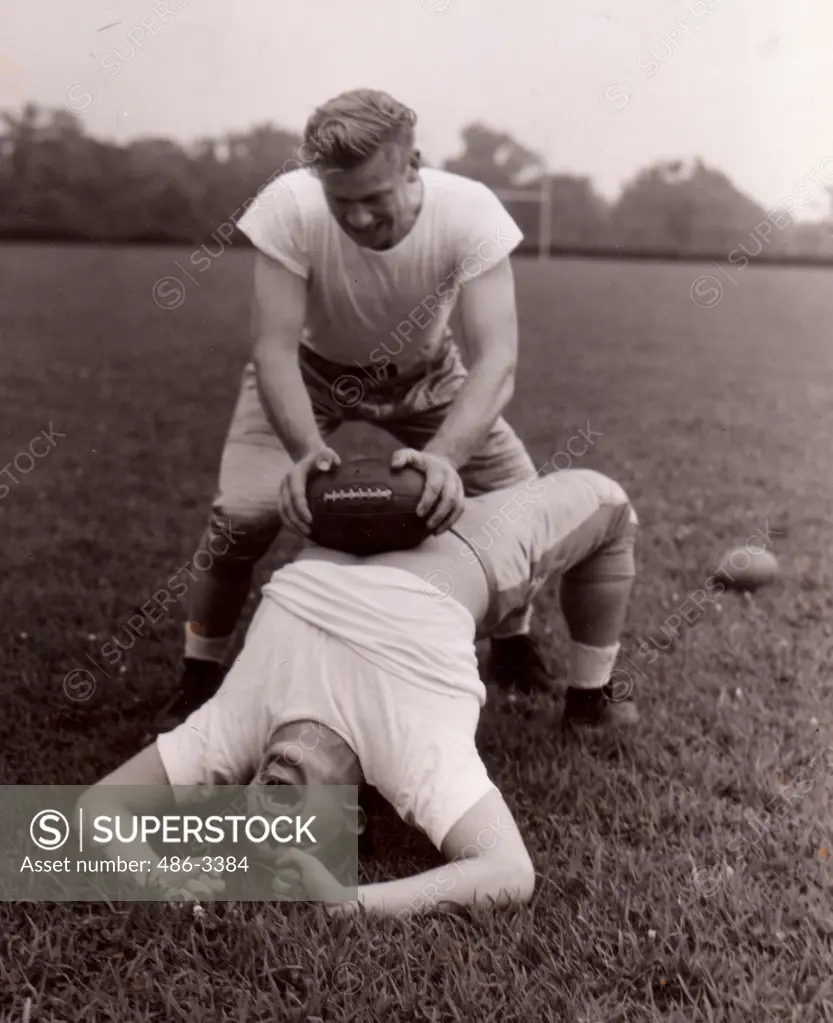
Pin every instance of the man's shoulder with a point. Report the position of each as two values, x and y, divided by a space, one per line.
451 186
465 212
300 185
462 205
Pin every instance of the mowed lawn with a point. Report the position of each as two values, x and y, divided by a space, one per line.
657 898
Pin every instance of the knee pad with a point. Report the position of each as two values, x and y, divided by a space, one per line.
614 561
239 539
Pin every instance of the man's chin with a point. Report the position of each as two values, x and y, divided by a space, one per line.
378 239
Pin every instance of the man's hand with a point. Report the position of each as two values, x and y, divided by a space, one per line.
178 886
292 498
443 498
301 876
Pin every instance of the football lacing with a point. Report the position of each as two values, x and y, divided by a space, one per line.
357 493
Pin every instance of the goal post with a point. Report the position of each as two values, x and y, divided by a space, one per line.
543 197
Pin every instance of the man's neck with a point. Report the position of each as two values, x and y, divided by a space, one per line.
413 207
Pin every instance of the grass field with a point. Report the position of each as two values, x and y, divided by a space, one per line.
657 899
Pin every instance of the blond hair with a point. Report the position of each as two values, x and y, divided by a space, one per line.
349 129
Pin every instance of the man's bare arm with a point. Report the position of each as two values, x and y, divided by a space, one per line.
279 313
490 326
489 866
140 786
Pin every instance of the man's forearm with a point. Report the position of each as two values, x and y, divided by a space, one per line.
459 883
286 401
474 411
103 805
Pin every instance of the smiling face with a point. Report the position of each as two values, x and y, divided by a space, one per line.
377 202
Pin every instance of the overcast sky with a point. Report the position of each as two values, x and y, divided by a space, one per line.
601 87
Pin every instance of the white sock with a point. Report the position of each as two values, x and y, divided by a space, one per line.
204 649
591 666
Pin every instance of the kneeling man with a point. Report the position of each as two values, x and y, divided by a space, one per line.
376 658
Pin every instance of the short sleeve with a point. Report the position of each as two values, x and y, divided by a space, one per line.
445 778
488 234
220 743
275 226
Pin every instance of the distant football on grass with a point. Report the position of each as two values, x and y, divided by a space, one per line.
365 508
747 568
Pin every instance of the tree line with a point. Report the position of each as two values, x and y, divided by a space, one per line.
57 182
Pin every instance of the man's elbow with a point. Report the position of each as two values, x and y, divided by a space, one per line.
274 350
96 799
513 881
506 386
87 797
499 369
524 875
264 353
89 805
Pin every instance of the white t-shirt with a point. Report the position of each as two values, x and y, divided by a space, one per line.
382 307
371 654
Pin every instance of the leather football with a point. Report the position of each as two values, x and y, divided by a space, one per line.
365 508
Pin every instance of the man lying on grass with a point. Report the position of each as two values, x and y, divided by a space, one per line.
377 656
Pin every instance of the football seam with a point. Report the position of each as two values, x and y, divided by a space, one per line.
358 493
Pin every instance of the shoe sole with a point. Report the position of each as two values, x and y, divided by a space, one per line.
613 717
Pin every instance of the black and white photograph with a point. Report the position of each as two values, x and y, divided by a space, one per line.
416 489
